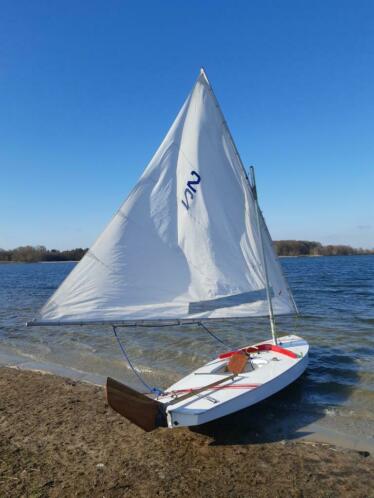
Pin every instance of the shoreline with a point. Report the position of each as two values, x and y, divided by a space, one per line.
2 262
38 262
312 432
59 438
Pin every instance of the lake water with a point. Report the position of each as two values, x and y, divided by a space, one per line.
335 296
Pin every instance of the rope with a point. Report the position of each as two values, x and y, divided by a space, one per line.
220 340
213 335
156 390
153 390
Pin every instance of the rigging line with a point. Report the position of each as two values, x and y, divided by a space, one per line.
154 390
213 335
222 342
175 324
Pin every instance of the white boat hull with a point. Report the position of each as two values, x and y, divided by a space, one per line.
272 371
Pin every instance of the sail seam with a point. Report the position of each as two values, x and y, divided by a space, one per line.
93 256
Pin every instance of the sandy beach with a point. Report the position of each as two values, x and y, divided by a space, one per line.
59 438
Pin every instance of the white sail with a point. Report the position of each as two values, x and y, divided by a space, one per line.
185 243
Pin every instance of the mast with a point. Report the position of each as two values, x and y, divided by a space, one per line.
258 217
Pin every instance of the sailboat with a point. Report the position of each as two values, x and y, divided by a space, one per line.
188 246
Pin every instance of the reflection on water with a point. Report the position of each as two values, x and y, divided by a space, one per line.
335 297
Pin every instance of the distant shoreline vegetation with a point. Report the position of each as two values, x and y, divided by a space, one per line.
308 248
36 254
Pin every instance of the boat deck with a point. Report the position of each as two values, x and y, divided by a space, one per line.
266 372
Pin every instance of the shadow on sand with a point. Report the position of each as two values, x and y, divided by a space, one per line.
284 415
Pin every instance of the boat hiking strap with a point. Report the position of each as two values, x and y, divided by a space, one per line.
153 390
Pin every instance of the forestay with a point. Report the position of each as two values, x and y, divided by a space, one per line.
185 243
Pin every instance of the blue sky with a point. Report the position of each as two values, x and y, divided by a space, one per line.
88 89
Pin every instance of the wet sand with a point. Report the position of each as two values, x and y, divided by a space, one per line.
58 438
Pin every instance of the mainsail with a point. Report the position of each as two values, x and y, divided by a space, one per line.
185 243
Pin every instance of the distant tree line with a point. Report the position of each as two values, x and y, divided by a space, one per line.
308 248
34 254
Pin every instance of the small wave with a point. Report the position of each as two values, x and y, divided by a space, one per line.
330 412
365 319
